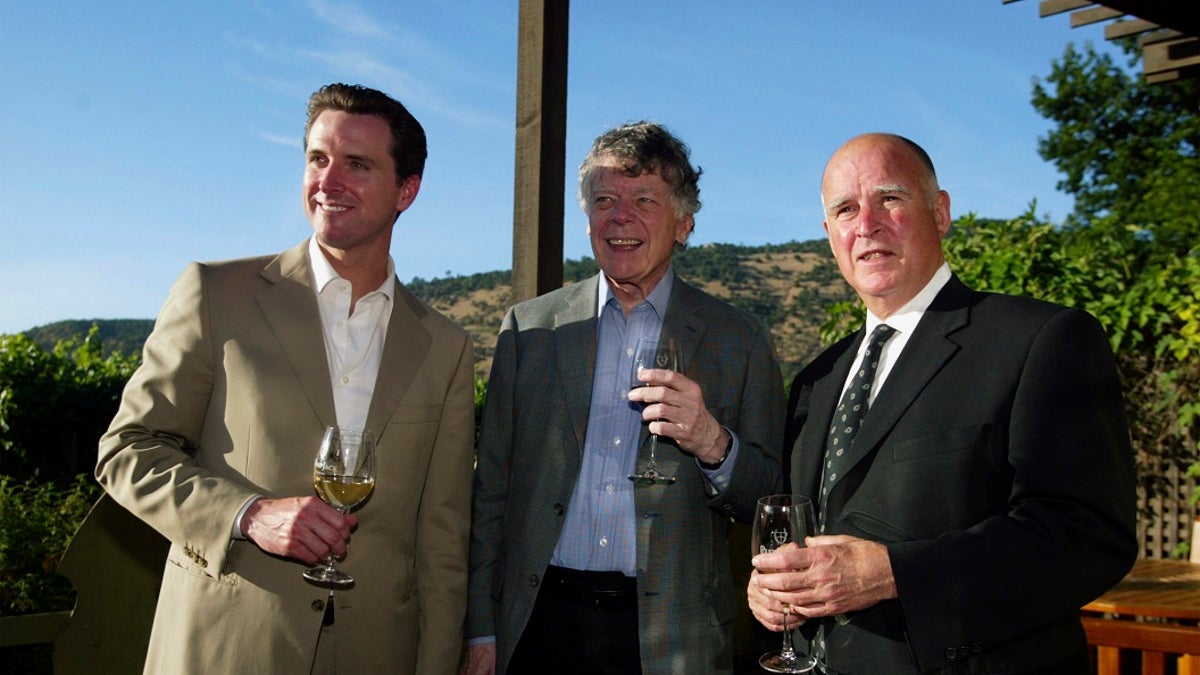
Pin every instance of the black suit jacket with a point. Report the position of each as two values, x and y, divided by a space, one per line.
995 464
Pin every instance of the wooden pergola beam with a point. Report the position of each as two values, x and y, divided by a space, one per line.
541 141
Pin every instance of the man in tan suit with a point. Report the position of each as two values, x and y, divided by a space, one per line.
249 361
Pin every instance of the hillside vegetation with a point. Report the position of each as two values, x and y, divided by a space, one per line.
787 285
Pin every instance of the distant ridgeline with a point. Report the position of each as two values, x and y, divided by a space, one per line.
787 285
115 335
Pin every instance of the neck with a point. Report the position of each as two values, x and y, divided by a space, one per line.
365 270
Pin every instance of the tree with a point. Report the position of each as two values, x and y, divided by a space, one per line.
1129 151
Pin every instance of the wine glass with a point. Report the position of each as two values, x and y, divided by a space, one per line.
661 354
343 476
778 520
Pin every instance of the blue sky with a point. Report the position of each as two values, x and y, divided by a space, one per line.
143 135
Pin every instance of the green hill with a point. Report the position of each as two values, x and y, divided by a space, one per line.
787 285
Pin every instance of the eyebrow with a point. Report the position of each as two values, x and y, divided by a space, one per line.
835 205
884 189
890 188
361 158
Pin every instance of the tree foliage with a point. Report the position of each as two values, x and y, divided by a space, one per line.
37 521
1147 303
55 404
1129 151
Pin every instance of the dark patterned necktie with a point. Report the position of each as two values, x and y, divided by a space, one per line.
850 413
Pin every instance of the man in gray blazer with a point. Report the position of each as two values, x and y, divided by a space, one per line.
988 493
249 361
574 567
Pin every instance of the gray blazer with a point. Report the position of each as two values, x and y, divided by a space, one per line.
530 449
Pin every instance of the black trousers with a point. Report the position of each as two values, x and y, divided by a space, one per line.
582 622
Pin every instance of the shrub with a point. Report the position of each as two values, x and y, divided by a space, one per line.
37 521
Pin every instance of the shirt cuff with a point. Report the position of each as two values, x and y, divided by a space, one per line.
718 478
237 520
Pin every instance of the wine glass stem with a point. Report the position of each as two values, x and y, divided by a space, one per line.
651 464
788 652
331 559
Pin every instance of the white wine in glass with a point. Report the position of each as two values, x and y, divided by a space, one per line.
779 520
661 354
343 476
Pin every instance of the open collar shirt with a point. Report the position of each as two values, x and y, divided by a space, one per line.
353 342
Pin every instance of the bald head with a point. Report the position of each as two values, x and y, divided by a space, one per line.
885 218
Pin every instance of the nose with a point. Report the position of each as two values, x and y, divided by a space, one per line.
622 212
329 179
866 224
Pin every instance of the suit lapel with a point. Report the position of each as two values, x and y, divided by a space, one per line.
685 323
404 351
575 352
927 351
823 401
289 305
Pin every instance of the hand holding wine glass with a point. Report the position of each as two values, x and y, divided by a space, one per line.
660 354
779 520
343 476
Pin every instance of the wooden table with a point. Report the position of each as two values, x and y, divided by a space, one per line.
1154 609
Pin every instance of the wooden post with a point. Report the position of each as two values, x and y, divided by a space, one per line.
541 131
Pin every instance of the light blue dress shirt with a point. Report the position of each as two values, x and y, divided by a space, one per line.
599 531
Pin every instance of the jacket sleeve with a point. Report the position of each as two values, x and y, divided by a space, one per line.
1068 533
147 456
759 426
490 489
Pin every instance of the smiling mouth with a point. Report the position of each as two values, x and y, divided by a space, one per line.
333 208
625 243
874 255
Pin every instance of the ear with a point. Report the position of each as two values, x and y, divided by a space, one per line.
825 226
942 210
409 188
683 228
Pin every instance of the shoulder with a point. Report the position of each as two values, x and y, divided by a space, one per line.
578 299
690 300
1008 313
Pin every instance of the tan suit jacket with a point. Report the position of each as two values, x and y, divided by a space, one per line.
230 402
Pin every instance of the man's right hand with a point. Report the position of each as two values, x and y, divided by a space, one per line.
303 528
481 659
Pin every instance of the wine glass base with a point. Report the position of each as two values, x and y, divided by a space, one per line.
779 662
650 477
325 576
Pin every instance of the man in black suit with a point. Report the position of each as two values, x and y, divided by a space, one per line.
988 493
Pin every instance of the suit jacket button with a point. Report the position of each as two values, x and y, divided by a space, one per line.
317 606
951 653
964 651
534 581
558 509
976 647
